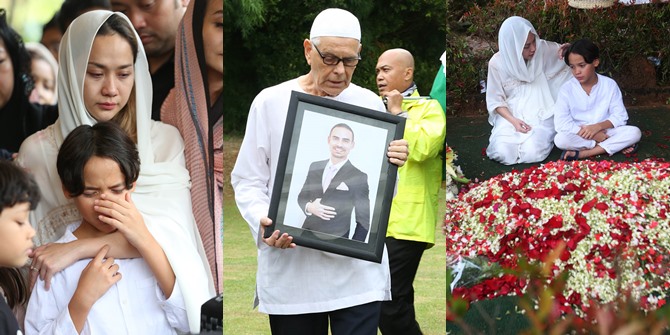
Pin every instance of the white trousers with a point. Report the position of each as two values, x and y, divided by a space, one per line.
508 146
619 138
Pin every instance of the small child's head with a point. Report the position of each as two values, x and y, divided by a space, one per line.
96 160
583 57
18 194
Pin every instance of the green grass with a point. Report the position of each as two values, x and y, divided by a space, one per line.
239 270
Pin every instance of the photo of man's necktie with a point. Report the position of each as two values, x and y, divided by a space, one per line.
329 174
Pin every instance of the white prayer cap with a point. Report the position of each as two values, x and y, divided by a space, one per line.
336 22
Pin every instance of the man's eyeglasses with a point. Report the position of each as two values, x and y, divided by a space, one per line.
332 60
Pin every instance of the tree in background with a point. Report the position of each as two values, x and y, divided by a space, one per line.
28 16
634 42
263 44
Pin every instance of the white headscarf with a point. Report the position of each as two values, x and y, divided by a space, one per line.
162 192
539 72
511 40
75 49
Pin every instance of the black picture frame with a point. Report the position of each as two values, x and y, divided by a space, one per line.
309 123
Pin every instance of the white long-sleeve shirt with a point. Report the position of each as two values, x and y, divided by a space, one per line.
134 305
575 108
299 280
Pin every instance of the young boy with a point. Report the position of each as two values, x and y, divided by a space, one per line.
18 195
589 115
98 167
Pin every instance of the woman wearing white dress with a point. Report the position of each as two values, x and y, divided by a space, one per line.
101 85
523 81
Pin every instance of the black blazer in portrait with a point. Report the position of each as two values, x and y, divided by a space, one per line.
348 191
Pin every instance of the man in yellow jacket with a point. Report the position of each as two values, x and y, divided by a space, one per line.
411 227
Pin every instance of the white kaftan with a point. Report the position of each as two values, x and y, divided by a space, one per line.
527 90
575 108
299 280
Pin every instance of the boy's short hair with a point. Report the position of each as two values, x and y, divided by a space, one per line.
16 186
584 48
104 139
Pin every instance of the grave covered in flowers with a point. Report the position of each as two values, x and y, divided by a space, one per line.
609 219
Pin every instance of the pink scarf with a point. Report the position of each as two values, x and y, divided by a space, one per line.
186 107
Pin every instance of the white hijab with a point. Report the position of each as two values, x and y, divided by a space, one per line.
75 49
511 40
162 193
539 97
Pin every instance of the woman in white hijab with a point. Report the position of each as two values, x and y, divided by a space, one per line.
523 81
99 89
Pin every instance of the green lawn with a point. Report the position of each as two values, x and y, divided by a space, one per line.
239 270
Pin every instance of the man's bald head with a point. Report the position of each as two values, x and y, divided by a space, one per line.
395 70
402 56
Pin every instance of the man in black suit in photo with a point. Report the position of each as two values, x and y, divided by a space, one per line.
334 188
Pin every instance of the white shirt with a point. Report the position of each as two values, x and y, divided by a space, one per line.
331 169
575 108
299 280
134 305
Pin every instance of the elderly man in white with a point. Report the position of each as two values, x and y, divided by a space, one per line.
304 289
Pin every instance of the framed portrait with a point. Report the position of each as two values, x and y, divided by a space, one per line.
334 183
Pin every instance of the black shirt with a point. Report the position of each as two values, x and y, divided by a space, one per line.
22 119
8 323
162 81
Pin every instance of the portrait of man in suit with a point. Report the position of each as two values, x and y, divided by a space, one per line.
335 189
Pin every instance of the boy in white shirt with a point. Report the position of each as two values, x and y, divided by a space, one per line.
98 166
589 116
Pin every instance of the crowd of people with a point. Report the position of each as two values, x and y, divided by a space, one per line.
115 158
539 93
114 127
117 167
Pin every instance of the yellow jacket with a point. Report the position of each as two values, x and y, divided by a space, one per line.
414 209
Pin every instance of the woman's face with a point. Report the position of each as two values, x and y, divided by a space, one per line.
110 76
529 48
45 83
6 75
212 36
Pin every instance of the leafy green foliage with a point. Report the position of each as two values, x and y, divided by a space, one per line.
540 309
624 34
263 44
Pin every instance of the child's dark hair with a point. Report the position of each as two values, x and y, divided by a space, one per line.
16 187
584 48
104 139
14 284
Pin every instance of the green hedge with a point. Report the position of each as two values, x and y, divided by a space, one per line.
623 33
